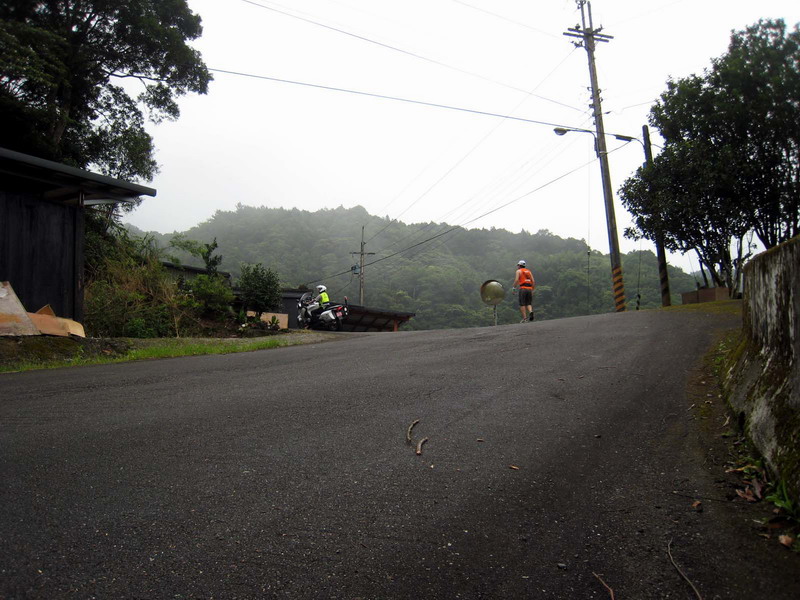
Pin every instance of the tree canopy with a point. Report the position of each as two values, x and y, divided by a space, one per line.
731 159
68 68
260 288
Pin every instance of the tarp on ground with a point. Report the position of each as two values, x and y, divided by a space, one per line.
13 318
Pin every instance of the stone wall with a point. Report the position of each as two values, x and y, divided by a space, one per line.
763 383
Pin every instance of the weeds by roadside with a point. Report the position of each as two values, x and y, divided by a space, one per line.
755 481
144 349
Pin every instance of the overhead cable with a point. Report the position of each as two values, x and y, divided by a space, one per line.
406 52
457 227
387 97
488 12
507 180
475 147
517 199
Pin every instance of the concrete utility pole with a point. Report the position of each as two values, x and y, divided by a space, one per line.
663 275
589 36
362 254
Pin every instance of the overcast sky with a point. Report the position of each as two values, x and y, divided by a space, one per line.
264 143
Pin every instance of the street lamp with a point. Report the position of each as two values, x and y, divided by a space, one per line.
659 241
617 284
619 136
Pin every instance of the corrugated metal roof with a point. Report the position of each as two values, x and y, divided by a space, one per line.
61 183
362 318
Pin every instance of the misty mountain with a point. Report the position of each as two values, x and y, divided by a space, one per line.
432 269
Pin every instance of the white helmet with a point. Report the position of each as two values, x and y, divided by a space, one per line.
321 288
521 263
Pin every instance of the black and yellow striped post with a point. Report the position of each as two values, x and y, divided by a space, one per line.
619 289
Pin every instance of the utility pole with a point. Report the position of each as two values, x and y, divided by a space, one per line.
666 300
589 36
362 254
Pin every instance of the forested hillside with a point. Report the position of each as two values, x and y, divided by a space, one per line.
438 280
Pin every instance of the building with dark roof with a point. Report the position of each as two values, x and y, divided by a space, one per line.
42 207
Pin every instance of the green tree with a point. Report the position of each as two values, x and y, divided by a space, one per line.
62 64
731 162
260 288
204 252
686 195
209 289
212 293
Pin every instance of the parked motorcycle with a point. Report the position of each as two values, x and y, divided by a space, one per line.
310 317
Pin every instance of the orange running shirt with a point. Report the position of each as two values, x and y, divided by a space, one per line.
526 279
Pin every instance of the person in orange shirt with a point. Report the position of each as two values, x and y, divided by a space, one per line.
524 281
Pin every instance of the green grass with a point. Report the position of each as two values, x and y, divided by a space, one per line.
175 348
719 307
159 348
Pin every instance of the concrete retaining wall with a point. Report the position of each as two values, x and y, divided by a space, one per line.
763 385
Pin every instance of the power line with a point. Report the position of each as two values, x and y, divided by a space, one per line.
408 53
384 97
465 156
457 227
514 181
473 200
387 97
488 12
464 223
506 179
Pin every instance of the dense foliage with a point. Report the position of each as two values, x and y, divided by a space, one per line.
129 293
731 161
260 289
439 280
64 65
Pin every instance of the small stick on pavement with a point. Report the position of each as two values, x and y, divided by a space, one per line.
605 585
699 597
408 433
419 445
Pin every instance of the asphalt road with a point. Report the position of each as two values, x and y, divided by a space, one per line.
554 454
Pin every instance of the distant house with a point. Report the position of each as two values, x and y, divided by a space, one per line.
187 273
42 207
361 318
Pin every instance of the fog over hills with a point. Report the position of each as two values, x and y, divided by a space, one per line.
431 269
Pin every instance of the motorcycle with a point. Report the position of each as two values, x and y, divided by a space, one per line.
331 318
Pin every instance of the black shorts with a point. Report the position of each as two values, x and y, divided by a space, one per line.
525 296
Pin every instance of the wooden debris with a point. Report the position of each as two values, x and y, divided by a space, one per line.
419 445
677 568
605 585
408 432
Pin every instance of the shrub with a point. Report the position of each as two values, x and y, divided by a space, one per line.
212 293
260 288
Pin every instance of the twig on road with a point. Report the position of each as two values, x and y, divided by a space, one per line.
674 564
419 445
408 432
605 585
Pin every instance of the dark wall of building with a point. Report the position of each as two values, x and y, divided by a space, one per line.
289 306
41 253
